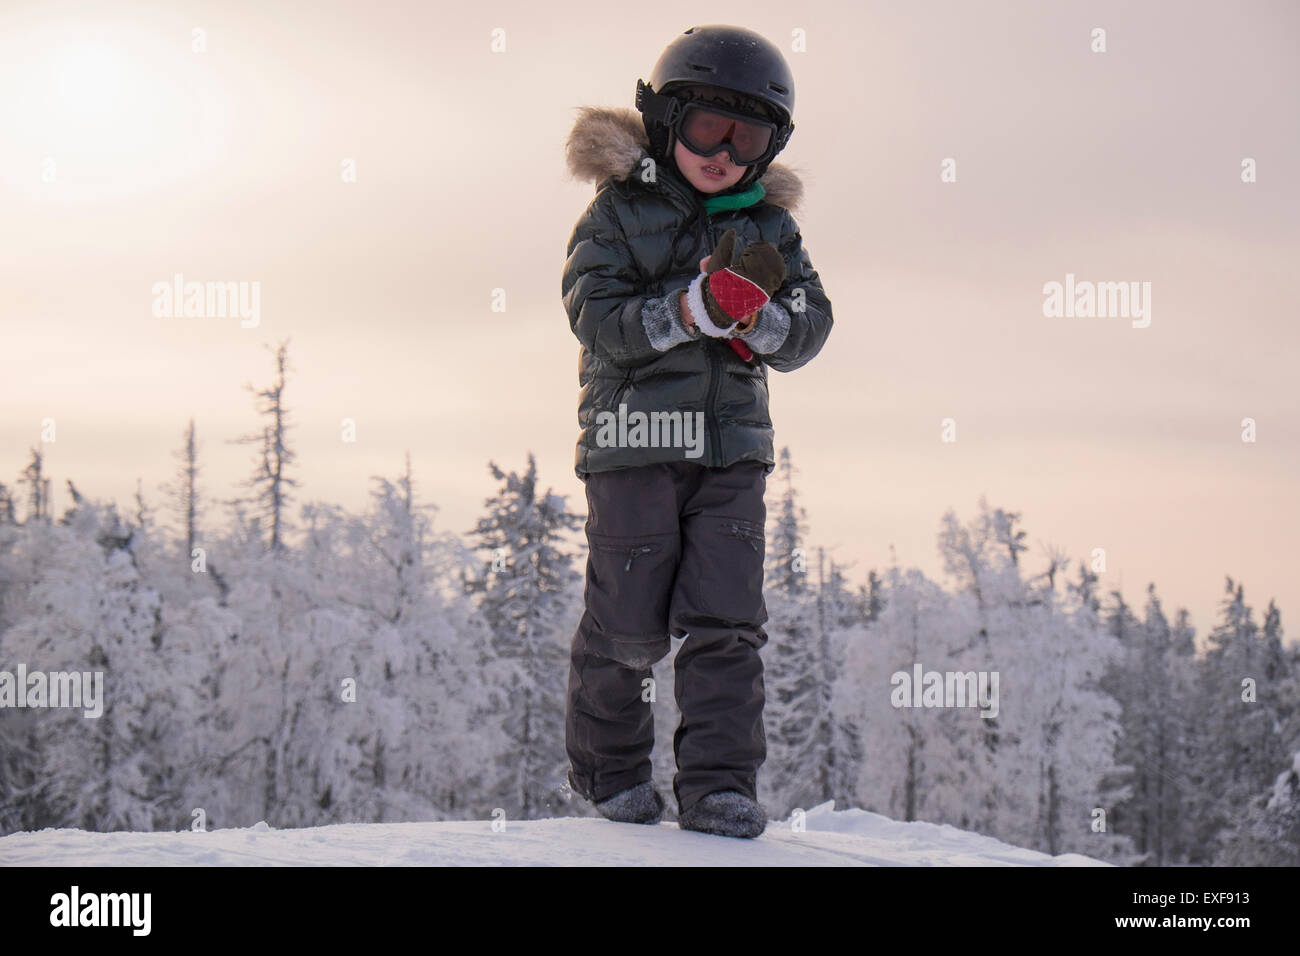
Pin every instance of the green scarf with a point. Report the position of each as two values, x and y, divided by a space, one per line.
740 200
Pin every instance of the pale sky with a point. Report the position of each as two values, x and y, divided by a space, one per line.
128 156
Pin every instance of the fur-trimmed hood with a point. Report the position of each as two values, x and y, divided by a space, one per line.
610 141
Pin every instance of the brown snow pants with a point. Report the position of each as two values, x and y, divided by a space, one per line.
675 550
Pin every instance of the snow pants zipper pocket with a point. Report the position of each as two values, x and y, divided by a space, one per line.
634 551
755 539
629 586
724 569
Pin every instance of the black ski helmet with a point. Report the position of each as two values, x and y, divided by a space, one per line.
728 58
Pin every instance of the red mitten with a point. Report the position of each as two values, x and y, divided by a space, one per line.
733 286
737 285
734 295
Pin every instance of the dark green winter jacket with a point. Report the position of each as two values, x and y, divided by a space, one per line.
633 251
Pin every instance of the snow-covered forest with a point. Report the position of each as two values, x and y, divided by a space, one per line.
302 665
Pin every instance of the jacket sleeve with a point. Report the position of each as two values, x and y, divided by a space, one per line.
792 328
600 289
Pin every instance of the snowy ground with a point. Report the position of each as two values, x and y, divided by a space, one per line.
832 838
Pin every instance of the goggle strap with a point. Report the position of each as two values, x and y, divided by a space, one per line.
665 109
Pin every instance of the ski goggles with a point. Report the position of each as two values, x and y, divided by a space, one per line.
706 128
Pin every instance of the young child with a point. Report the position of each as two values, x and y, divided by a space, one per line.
686 279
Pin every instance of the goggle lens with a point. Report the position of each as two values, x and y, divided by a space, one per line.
704 131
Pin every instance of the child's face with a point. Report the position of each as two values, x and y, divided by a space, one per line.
699 170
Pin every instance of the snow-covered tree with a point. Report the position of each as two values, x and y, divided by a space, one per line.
980 559
843 622
1041 767
416 674
270 482
915 760
1268 831
794 772
1238 744
1073 724
87 610
524 592
183 492
38 487
1150 680
1265 829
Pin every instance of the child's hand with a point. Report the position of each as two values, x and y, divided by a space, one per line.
737 285
760 265
685 309
741 326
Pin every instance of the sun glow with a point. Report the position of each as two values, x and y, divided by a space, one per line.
86 86
103 112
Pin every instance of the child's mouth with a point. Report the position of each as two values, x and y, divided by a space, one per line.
714 172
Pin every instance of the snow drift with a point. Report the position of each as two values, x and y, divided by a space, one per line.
831 838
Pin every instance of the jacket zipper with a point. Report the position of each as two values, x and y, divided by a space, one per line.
715 378
715 367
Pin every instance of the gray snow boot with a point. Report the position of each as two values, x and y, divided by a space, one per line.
639 804
725 813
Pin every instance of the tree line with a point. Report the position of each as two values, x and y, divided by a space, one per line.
325 667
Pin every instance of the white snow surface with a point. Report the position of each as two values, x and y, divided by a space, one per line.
831 838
